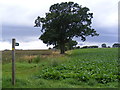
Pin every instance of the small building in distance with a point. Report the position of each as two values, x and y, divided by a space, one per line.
116 45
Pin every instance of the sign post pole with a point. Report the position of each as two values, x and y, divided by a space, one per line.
13 61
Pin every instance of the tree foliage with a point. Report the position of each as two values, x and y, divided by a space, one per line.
68 46
104 45
71 44
65 21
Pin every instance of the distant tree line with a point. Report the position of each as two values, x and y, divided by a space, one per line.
73 45
90 47
114 45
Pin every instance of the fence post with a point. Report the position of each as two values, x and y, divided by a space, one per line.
13 61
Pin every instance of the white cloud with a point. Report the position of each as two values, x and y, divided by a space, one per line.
5 45
38 44
32 45
25 11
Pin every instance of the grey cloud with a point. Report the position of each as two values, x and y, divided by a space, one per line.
106 35
22 33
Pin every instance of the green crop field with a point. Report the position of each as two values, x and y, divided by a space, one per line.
80 68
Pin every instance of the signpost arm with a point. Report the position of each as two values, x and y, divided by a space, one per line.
13 61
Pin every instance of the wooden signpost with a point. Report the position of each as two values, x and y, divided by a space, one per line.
13 60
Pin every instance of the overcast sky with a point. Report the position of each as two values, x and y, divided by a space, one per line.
17 21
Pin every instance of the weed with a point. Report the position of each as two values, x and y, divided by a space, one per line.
37 59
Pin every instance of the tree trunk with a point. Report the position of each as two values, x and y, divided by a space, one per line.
62 48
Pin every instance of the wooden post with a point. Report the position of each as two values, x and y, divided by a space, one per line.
13 61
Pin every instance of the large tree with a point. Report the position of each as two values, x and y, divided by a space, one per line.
63 22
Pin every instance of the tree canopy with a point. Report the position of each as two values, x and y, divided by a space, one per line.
65 21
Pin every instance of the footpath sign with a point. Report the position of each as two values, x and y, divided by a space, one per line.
13 60
16 44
